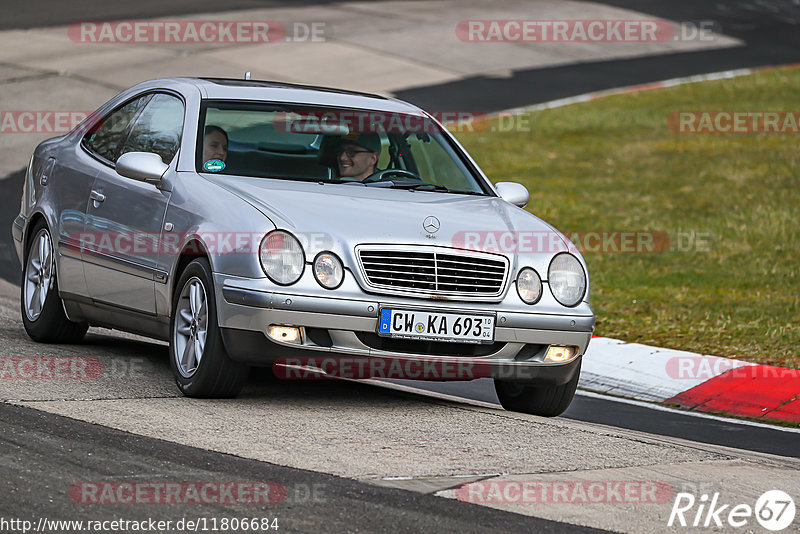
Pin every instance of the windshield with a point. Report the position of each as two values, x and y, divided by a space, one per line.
333 145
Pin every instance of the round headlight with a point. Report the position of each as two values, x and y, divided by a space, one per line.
566 279
328 270
282 257
529 286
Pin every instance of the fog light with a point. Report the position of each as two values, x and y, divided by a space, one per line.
285 334
560 353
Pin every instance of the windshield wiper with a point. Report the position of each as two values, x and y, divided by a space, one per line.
424 186
443 189
413 185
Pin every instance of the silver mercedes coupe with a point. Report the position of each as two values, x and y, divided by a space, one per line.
320 232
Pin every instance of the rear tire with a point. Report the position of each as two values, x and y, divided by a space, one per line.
42 310
547 401
201 366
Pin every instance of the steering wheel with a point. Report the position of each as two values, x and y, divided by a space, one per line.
380 175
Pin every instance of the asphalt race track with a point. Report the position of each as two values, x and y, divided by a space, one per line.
46 13
634 416
768 29
391 456
56 449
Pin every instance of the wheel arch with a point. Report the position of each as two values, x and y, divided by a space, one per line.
34 219
193 249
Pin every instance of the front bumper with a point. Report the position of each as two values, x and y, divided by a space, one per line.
347 328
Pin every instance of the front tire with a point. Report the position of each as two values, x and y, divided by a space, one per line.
201 366
42 310
547 401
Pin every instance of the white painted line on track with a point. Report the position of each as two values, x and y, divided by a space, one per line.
672 82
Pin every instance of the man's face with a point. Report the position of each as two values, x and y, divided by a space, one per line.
355 161
215 146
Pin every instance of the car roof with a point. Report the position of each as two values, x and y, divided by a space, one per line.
274 91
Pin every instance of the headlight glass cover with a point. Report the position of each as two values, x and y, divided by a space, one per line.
529 285
328 270
282 257
566 279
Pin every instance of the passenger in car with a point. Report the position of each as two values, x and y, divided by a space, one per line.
215 143
357 155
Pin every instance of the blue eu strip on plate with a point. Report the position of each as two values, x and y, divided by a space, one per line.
386 318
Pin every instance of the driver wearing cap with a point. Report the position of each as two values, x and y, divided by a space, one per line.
357 155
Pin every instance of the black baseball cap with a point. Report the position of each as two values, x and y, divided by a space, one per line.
370 141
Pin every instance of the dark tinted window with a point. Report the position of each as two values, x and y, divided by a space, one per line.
106 136
158 128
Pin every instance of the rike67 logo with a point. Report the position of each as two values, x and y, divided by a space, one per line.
774 510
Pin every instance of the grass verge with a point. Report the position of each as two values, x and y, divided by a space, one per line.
729 282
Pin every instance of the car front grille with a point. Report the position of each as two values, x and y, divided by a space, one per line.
439 272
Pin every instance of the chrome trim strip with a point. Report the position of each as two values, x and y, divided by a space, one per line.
123 265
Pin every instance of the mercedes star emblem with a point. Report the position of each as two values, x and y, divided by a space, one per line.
431 224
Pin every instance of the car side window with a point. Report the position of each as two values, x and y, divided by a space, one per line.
108 134
158 128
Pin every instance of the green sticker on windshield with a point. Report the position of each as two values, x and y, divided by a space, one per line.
214 165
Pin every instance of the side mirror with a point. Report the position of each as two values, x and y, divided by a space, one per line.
513 192
142 166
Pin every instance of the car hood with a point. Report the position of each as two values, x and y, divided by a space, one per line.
354 214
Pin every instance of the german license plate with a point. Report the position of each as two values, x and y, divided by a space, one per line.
435 326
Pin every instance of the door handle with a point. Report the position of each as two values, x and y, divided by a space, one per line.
97 197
